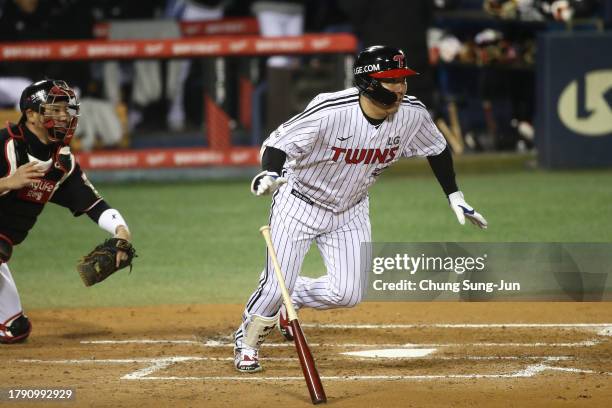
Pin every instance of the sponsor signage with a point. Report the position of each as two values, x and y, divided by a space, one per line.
174 48
168 158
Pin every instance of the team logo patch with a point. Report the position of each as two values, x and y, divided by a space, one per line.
38 192
399 58
392 141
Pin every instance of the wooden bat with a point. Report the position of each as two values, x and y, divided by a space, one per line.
453 115
487 107
311 375
451 138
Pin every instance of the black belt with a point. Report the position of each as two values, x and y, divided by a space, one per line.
301 196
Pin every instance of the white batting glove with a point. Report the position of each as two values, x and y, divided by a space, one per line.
463 210
266 182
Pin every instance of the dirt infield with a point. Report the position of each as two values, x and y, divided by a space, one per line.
471 354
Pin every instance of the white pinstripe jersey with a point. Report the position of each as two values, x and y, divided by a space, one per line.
334 154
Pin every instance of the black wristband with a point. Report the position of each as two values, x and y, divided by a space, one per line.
273 160
96 211
442 166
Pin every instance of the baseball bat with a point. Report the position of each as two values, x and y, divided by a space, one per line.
453 115
311 375
487 107
451 138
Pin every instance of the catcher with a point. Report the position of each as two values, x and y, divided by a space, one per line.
36 167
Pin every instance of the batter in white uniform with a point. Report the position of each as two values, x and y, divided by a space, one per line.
319 165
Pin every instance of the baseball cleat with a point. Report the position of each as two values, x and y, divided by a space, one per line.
283 324
246 360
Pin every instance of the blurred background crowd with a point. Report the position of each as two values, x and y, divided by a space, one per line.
475 58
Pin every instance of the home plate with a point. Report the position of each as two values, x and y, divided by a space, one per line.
392 353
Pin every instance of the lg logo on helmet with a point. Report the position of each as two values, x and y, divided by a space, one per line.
585 105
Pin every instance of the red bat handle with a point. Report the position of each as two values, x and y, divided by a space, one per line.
313 381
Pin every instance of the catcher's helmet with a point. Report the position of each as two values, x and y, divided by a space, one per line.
59 105
378 62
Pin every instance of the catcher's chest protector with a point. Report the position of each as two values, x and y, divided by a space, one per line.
20 208
59 166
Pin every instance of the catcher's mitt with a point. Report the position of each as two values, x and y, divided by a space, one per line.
101 263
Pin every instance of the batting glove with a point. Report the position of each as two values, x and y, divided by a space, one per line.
463 210
266 182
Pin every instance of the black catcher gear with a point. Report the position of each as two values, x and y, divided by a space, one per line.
58 104
375 64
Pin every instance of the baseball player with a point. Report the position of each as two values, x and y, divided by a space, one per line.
36 167
319 165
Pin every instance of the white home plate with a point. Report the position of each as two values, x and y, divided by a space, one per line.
392 353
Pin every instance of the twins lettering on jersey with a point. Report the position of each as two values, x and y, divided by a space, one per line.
38 192
364 156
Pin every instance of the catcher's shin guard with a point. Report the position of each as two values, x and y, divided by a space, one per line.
15 330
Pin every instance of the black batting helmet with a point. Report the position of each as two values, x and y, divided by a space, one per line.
42 97
378 62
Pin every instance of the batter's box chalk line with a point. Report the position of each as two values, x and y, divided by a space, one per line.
606 331
535 364
602 329
369 326
155 365
218 344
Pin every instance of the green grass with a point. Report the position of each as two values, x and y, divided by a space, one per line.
199 242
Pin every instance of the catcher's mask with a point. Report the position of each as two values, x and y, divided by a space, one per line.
376 63
57 103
